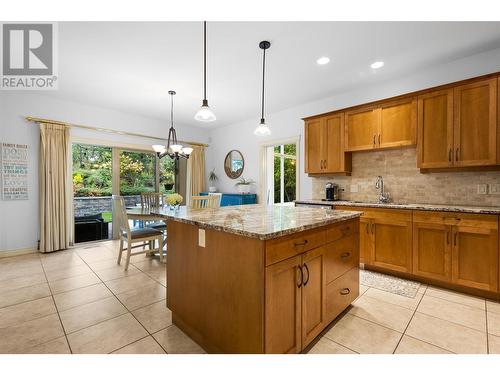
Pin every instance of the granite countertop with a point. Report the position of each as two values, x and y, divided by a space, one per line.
257 221
408 206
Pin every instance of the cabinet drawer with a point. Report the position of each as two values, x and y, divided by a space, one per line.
341 230
341 292
341 256
455 218
285 247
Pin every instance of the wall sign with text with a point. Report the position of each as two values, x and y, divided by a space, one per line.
14 163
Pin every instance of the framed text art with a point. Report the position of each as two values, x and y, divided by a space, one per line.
14 163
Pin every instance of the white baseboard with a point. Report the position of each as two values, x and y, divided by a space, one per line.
13 253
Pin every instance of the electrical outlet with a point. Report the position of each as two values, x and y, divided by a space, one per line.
354 188
201 237
494 188
482 189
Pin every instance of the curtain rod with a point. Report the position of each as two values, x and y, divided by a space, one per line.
88 127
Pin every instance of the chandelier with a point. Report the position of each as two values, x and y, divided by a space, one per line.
173 149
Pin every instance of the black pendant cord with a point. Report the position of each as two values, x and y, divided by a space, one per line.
263 83
204 61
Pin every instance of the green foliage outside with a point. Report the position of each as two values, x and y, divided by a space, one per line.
289 172
92 171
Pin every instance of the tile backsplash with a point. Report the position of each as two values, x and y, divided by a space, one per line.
405 184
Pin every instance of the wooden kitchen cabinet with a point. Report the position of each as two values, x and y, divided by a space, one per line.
324 145
313 294
432 250
392 240
475 124
385 237
361 129
475 256
284 306
398 123
365 240
392 124
435 129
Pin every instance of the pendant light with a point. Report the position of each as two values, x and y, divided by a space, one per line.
262 129
174 149
205 114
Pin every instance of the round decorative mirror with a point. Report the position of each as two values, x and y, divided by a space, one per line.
234 164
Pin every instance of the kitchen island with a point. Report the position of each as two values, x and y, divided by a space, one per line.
260 279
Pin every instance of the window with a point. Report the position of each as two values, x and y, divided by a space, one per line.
137 172
281 173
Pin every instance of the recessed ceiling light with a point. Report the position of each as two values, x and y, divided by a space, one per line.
323 60
377 64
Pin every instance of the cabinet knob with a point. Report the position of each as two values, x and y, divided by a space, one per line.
345 291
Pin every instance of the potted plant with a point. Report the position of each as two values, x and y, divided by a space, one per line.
243 185
212 177
168 180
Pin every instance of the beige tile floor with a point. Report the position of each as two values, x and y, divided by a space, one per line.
81 301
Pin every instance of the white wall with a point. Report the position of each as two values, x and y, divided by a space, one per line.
288 123
19 220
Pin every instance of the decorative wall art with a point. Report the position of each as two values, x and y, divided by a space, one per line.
14 163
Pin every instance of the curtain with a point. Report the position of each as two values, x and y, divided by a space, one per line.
195 173
55 188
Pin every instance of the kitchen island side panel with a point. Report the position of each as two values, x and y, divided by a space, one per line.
216 292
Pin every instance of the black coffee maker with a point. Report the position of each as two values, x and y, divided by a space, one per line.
331 192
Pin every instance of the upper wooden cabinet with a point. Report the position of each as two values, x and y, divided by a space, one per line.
361 129
475 124
392 124
435 129
398 123
458 127
324 146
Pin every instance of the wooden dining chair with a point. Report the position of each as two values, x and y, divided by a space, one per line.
141 236
152 199
219 198
204 201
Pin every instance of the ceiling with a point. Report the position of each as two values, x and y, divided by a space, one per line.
130 66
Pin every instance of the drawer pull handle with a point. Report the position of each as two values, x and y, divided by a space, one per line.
345 229
455 239
297 244
347 254
449 155
307 269
345 291
456 154
299 284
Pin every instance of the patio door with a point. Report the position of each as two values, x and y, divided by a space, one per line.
92 190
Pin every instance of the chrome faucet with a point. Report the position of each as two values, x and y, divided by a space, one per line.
383 196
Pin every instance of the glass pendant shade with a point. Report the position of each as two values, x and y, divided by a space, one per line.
187 150
262 129
176 148
158 148
205 114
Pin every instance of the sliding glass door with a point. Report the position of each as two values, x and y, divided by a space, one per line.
100 171
92 189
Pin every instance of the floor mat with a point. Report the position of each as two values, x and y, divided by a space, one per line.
388 283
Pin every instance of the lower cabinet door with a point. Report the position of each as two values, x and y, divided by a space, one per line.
283 312
365 241
392 245
475 257
313 294
432 250
341 292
